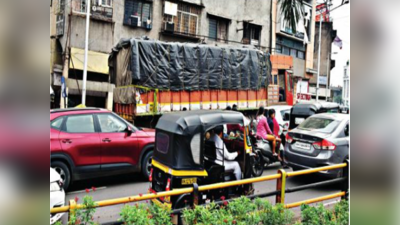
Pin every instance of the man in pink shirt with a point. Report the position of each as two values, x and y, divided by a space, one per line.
263 130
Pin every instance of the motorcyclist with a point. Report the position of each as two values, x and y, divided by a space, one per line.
274 125
264 131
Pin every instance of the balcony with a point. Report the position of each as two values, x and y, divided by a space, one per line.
97 12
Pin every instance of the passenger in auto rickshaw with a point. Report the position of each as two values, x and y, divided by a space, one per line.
224 154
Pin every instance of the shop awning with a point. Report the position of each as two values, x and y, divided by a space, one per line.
97 61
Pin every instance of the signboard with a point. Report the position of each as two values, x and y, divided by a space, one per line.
302 91
323 80
171 8
306 97
322 12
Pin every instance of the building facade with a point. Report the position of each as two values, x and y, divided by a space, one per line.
292 56
198 21
346 85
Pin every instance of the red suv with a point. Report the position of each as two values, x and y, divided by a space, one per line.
91 142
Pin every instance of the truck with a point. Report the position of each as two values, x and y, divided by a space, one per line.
154 77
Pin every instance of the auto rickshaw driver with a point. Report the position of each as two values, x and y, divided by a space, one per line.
224 155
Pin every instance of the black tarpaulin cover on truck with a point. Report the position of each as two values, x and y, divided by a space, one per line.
188 66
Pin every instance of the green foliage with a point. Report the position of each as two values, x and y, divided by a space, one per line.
143 214
291 10
320 215
241 211
84 216
136 214
161 215
273 214
58 223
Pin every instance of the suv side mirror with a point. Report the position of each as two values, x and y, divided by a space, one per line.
347 130
128 131
286 117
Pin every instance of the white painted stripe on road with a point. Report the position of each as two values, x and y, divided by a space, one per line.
82 191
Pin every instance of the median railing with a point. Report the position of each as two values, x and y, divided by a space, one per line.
280 192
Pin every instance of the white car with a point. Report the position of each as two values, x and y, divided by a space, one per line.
280 111
57 194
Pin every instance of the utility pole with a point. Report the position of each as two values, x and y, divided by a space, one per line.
86 52
327 75
319 56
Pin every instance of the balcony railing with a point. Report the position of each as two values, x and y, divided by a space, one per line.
98 12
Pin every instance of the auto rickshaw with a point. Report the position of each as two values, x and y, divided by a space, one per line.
183 156
303 110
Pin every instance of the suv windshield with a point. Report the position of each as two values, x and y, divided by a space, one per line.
322 125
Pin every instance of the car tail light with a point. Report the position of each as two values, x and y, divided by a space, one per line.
289 139
324 145
167 188
151 175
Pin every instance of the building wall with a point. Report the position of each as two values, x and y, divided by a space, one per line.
346 86
326 50
104 35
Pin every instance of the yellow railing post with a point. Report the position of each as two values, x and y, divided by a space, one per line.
72 207
345 184
281 185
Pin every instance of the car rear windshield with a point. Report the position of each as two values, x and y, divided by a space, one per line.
162 142
323 125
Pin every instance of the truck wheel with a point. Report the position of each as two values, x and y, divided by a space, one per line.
64 172
146 164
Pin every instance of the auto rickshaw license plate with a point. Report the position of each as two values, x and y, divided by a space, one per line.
188 181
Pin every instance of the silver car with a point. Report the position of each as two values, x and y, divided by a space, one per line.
321 140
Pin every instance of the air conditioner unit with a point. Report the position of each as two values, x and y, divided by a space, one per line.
254 42
169 27
135 21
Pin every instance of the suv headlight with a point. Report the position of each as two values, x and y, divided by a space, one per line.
55 187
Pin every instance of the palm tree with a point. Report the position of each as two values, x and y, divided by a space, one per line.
292 11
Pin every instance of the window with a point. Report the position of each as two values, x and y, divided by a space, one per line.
293 52
60 7
56 124
80 124
60 25
195 146
138 13
110 124
218 29
300 55
283 112
251 32
162 142
187 20
105 3
290 47
322 125
79 6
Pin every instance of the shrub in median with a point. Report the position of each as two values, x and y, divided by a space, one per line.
144 214
239 211
321 215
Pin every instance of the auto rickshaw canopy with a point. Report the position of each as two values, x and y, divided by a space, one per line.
180 136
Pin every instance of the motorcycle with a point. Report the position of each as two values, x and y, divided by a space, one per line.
263 155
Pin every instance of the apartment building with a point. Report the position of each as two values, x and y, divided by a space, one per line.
222 22
292 56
